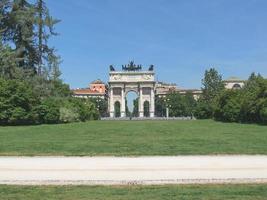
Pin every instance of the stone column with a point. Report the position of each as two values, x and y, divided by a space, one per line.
152 103
111 103
140 104
122 102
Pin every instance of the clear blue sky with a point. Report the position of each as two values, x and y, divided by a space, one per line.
181 38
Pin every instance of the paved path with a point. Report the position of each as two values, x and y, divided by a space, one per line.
140 170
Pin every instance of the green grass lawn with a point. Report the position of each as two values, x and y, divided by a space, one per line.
169 192
134 138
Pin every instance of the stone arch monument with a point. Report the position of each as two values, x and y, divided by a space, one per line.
131 78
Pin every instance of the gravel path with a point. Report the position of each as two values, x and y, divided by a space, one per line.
132 170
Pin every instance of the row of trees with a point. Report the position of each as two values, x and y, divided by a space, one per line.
31 91
179 105
247 105
20 105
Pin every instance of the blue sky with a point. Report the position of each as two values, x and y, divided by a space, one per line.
181 38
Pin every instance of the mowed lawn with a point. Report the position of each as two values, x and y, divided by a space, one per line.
134 138
169 192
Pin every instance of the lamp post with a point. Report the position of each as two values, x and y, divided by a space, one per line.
167 107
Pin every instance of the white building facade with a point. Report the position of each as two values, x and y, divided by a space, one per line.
234 83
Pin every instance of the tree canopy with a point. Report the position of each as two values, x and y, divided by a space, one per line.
31 91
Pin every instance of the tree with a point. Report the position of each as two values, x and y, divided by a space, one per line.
84 107
17 102
127 111
228 106
28 27
46 55
25 28
68 115
8 64
135 108
176 104
203 109
48 111
248 104
190 104
5 6
212 87
254 98
263 112
19 30
160 107
101 105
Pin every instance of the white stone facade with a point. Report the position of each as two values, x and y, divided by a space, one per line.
122 82
234 84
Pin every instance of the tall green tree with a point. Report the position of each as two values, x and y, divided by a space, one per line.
212 87
8 64
46 28
190 104
228 106
254 100
135 108
212 84
19 30
176 104
160 107
17 101
28 26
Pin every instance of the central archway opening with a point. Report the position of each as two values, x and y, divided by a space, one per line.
131 102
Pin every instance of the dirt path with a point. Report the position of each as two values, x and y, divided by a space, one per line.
140 170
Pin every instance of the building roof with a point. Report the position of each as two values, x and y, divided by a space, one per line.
233 79
165 84
98 81
86 91
194 91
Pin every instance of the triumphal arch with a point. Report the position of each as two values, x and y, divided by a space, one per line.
132 78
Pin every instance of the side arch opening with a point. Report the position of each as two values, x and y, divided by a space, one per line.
146 109
117 108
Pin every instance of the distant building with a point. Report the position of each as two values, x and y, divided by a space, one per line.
234 83
162 89
195 92
96 89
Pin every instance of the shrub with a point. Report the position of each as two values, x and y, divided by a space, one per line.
86 109
203 110
228 106
17 100
48 111
76 109
18 116
68 115
263 114
253 99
